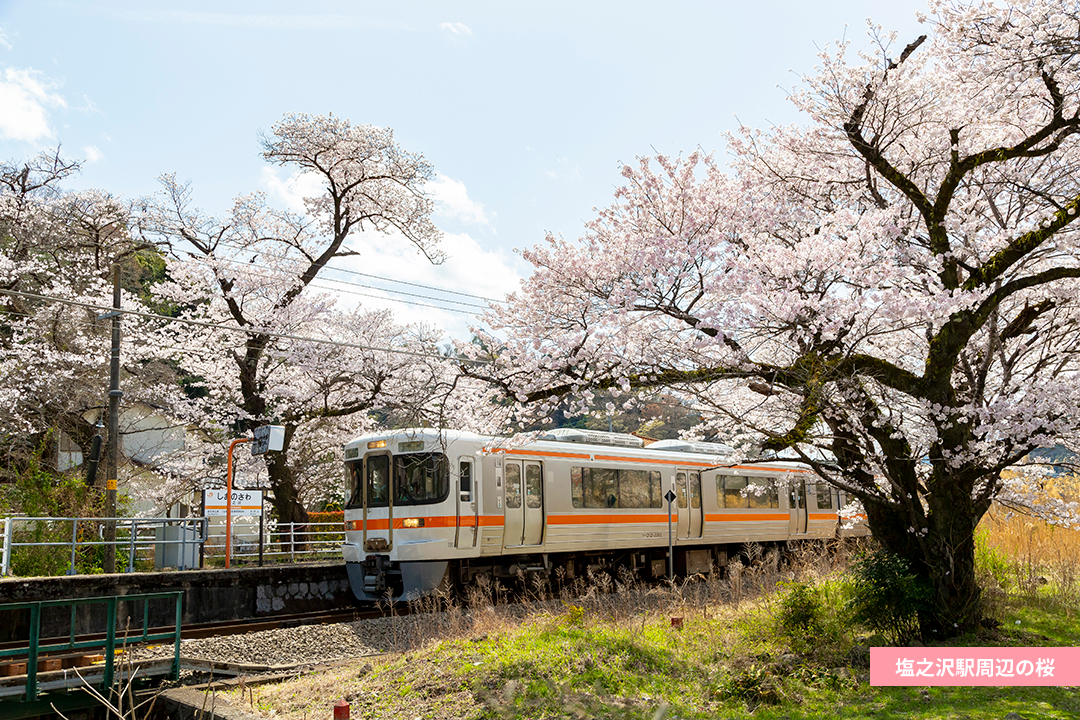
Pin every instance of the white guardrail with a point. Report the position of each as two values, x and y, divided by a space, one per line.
158 543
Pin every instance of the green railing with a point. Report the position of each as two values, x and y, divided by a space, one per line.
35 646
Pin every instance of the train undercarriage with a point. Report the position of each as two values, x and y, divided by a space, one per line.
378 578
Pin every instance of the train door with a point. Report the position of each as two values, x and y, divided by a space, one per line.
467 530
523 521
688 492
378 492
797 506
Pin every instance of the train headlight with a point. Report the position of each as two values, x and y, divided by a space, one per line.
413 522
376 444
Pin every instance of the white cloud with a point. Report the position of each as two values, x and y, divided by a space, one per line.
566 170
4 39
470 268
451 197
25 96
89 107
292 190
93 155
456 28
454 201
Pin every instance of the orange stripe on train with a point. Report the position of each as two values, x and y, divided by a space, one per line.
604 519
442 521
449 521
747 517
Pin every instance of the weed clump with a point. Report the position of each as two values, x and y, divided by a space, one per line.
886 596
801 616
753 685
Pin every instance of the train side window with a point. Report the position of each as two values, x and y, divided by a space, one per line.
513 485
465 478
605 488
762 494
634 488
734 497
680 486
378 481
356 484
533 487
824 494
695 490
615 488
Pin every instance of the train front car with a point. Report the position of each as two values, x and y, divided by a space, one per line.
411 508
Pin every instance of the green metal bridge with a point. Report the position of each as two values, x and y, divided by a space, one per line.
41 689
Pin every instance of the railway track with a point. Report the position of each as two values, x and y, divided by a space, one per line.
195 631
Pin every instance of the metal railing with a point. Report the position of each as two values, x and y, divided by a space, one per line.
35 647
137 536
46 545
281 541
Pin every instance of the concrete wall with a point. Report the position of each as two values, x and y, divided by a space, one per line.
209 596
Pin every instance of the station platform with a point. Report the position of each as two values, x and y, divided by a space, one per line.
215 595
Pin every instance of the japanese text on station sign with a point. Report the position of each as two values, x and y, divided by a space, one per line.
244 502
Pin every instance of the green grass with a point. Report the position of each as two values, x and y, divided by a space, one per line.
793 651
735 664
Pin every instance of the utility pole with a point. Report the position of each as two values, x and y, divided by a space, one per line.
114 430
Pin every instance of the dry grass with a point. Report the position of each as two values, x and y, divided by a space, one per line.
606 647
438 650
1028 556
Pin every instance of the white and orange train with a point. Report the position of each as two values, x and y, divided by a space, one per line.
430 508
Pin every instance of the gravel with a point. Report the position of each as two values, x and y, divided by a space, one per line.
284 646
311 644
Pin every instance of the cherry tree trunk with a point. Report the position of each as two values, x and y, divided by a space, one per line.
287 502
943 556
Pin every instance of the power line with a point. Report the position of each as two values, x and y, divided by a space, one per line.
315 284
390 299
362 274
233 328
419 285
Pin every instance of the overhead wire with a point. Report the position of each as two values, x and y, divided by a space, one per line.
208 353
314 283
232 328
187 348
420 285
331 268
407 302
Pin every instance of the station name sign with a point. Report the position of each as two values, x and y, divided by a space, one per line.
244 502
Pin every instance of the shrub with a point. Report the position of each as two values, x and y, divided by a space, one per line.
886 596
802 616
320 529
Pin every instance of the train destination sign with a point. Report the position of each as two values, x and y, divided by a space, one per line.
244 502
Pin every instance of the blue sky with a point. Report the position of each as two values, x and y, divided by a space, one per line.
524 109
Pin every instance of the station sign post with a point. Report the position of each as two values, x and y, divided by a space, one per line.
267 438
670 497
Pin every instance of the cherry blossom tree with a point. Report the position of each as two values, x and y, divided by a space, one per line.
249 275
57 253
889 293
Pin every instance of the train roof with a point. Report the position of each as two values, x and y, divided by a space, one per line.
590 445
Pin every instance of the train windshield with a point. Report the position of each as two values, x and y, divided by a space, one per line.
418 479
